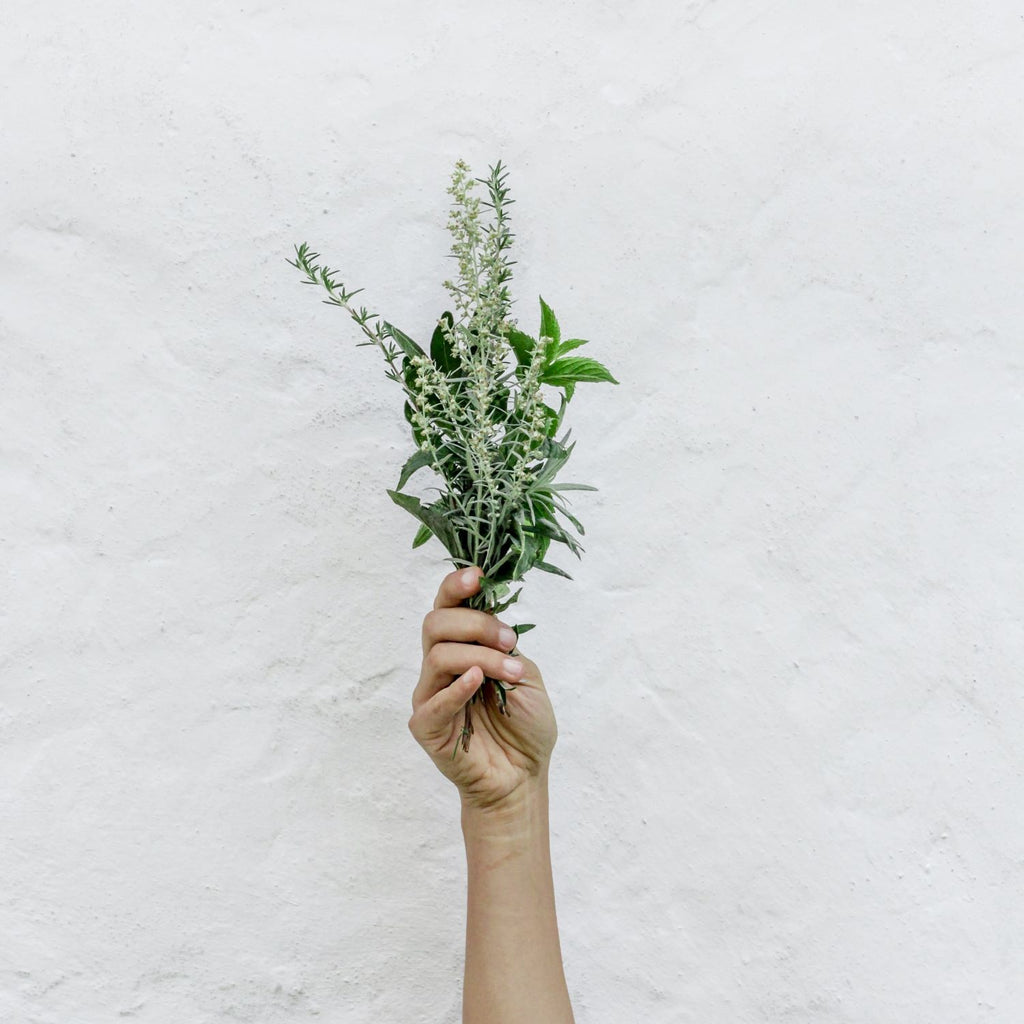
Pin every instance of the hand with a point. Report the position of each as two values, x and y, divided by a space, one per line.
507 753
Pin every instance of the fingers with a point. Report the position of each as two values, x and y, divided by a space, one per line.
457 586
433 719
467 625
444 661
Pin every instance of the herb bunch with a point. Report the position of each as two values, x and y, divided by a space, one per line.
477 414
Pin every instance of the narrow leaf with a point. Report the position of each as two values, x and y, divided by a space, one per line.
423 534
527 553
572 519
407 345
548 567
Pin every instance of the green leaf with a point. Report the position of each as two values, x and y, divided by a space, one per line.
528 551
434 519
548 323
575 369
523 346
543 549
553 420
417 434
554 463
440 349
568 346
493 590
407 345
423 534
572 519
571 487
524 627
548 567
417 460
570 390
502 605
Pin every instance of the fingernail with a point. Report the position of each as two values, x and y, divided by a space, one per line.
514 668
507 638
469 576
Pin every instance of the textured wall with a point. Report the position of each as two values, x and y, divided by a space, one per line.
789 780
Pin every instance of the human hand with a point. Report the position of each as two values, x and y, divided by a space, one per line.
508 752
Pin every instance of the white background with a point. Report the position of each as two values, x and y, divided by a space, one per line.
788 784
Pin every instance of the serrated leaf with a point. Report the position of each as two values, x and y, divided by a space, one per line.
417 460
523 346
568 346
549 324
432 518
575 369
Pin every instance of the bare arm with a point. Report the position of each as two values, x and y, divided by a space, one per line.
514 972
513 956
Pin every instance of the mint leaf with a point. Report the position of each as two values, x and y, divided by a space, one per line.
574 370
548 323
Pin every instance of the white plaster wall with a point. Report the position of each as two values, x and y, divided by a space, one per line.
789 781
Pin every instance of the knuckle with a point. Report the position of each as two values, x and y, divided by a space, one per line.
429 621
433 659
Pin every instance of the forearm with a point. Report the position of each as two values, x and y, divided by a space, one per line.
513 955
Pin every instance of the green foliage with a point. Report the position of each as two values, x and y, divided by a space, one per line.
478 417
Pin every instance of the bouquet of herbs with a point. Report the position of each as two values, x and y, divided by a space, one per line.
476 410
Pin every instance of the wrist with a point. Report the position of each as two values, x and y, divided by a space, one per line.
522 815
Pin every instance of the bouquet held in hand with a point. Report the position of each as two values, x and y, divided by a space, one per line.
476 410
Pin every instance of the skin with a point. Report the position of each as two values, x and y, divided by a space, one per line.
514 967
